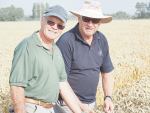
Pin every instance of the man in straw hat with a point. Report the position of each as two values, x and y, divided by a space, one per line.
86 54
38 73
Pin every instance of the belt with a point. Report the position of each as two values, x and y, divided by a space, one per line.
46 105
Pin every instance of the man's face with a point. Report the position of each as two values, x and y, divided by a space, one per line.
50 28
87 28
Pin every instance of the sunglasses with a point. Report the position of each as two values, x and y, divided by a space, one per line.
51 23
86 19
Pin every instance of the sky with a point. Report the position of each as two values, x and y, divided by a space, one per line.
107 6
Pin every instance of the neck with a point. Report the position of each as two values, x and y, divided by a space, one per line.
88 40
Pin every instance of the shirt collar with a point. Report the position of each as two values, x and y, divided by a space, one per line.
36 38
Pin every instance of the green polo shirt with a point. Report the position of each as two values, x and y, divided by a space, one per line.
37 70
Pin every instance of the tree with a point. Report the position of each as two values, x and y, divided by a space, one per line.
11 13
42 9
38 10
34 10
142 11
141 7
148 8
19 13
47 5
121 15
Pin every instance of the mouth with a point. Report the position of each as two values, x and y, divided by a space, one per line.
89 29
52 32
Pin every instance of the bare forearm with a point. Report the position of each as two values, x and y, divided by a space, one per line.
108 83
68 97
81 105
18 97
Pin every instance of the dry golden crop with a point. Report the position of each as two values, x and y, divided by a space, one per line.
129 49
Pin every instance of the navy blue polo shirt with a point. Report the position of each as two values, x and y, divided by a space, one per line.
84 62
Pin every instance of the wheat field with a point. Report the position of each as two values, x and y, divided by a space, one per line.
129 49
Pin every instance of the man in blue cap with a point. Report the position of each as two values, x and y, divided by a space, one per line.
38 72
86 54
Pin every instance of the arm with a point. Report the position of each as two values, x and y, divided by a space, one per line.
82 106
68 97
18 97
108 83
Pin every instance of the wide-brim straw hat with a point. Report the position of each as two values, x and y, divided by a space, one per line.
93 10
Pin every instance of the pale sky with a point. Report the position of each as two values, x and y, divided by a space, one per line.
107 6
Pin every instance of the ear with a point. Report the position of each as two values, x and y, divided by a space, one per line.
100 21
42 20
79 18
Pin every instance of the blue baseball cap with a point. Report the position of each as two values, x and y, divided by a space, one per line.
57 11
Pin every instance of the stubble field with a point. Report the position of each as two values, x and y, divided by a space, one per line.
129 43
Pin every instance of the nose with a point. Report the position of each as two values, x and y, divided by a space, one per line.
54 26
90 23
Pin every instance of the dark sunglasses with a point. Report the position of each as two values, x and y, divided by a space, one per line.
86 19
51 23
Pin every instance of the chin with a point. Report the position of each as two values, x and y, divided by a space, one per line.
89 34
52 37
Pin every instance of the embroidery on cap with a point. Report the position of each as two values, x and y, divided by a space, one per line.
55 9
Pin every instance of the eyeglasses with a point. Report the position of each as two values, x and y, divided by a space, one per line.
86 19
51 23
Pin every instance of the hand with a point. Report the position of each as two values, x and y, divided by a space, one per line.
108 105
86 108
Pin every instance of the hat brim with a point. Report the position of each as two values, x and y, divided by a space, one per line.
57 15
105 19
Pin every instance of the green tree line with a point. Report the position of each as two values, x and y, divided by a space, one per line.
142 10
13 14
39 9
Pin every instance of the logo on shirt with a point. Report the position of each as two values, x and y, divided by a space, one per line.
100 53
58 57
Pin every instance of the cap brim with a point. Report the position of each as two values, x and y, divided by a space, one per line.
57 15
105 19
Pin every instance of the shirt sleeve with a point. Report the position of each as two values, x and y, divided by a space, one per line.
65 49
20 70
63 75
107 65
61 70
